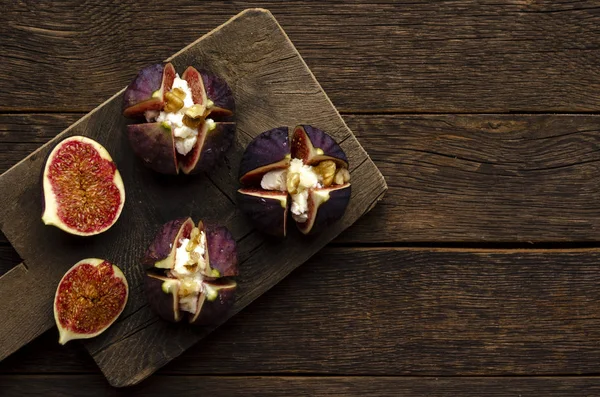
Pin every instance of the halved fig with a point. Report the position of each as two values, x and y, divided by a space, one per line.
89 298
188 270
82 188
312 171
187 121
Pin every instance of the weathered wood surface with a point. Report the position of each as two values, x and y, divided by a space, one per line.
437 312
402 56
272 87
279 386
452 178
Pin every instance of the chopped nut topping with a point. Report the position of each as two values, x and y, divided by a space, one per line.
190 246
173 102
342 176
327 171
191 265
195 111
191 122
293 180
186 288
179 93
195 233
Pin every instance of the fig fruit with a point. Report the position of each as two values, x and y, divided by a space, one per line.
308 178
82 189
188 120
89 298
188 272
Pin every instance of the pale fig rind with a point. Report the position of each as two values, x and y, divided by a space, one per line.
326 206
267 152
107 184
216 303
267 210
71 328
163 288
146 91
154 144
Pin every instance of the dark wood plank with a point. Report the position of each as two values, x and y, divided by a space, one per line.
452 178
265 71
8 258
435 312
457 178
402 56
89 385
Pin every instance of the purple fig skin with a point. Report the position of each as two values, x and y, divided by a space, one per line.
166 305
164 245
323 215
155 145
318 140
216 142
148 80
147 89
222 251
267 210
213 311
220 94
267 152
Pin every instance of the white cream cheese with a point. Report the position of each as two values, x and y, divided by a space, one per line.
185 137
308 178
275 180
190 278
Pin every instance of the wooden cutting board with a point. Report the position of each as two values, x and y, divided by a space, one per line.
272 87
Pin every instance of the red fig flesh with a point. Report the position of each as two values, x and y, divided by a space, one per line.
188 120
187 273
83 190
312 170
89 298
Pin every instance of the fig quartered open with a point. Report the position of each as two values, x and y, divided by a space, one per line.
188 120
307 177
189 272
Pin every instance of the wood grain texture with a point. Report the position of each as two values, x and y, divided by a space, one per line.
483 178
427 312
401 56
230 386
452 178
272 87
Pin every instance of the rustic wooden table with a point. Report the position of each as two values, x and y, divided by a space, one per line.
476 275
